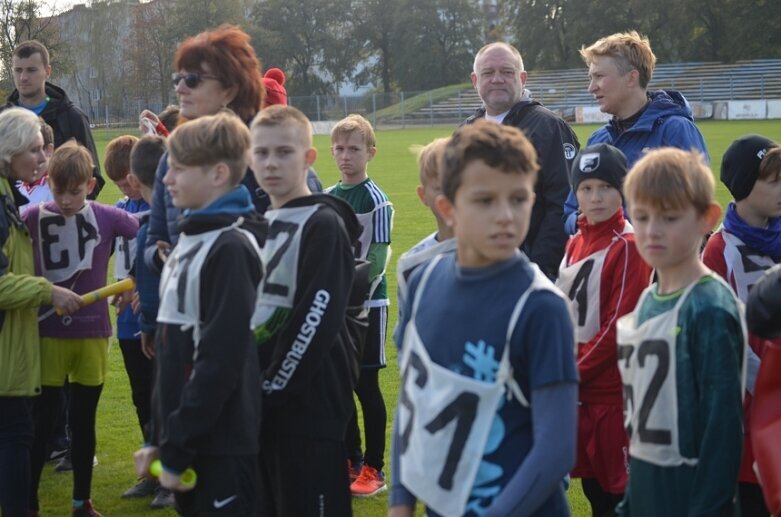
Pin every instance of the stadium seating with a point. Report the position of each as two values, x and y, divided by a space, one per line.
564 89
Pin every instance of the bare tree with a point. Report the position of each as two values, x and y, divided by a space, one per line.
150 48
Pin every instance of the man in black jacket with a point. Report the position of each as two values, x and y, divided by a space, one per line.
499 78
31 69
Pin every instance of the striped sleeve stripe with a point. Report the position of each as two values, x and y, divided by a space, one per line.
382 217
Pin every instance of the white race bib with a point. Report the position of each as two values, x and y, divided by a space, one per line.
445 418
124 255
581 283
647 363
66 244
744 265
180 281
408 262
280 260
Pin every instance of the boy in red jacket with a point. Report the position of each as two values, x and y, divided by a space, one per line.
746 245
603 274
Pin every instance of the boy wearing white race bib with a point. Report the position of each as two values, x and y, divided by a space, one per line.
308 367
603 276
486 420
681 352
139 367
205 406
38 191
353 145
747 244
72 239
441 241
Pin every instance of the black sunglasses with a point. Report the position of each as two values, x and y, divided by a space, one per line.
191 79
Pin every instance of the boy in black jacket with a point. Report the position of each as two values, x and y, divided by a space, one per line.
205 406
307 380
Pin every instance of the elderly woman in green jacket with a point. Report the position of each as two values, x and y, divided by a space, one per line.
21 293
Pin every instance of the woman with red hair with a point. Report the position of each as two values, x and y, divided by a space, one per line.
214 70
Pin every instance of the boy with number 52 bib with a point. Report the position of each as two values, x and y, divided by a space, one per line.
487 407
681 352
72 240
603 275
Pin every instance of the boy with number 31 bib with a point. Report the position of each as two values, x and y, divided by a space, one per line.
681 352
487 407
205 409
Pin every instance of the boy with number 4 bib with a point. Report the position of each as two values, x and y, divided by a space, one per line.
603 275
72 239
487 407
681 352
307 366
205 407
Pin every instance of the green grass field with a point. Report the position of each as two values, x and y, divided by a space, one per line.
394 169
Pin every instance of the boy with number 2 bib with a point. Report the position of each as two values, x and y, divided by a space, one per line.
307 376
487 407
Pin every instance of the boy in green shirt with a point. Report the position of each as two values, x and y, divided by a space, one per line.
353 145
681 352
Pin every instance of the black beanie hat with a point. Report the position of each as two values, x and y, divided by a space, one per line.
740 164
599 161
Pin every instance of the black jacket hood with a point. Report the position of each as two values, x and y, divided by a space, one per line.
345 211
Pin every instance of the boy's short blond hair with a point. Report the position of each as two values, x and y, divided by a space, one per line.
207 141
629 50
671 179
354 124
117 161
770 167
278 114
430 159
71 165
499 146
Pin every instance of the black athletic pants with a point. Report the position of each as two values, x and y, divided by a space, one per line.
301 476
16 437
140 372
374 421
81 421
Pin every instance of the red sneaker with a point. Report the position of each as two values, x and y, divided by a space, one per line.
370 482
353 471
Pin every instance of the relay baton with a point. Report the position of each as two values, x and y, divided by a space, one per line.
104 292
188 476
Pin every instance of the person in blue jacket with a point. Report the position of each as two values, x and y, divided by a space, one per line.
620 66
